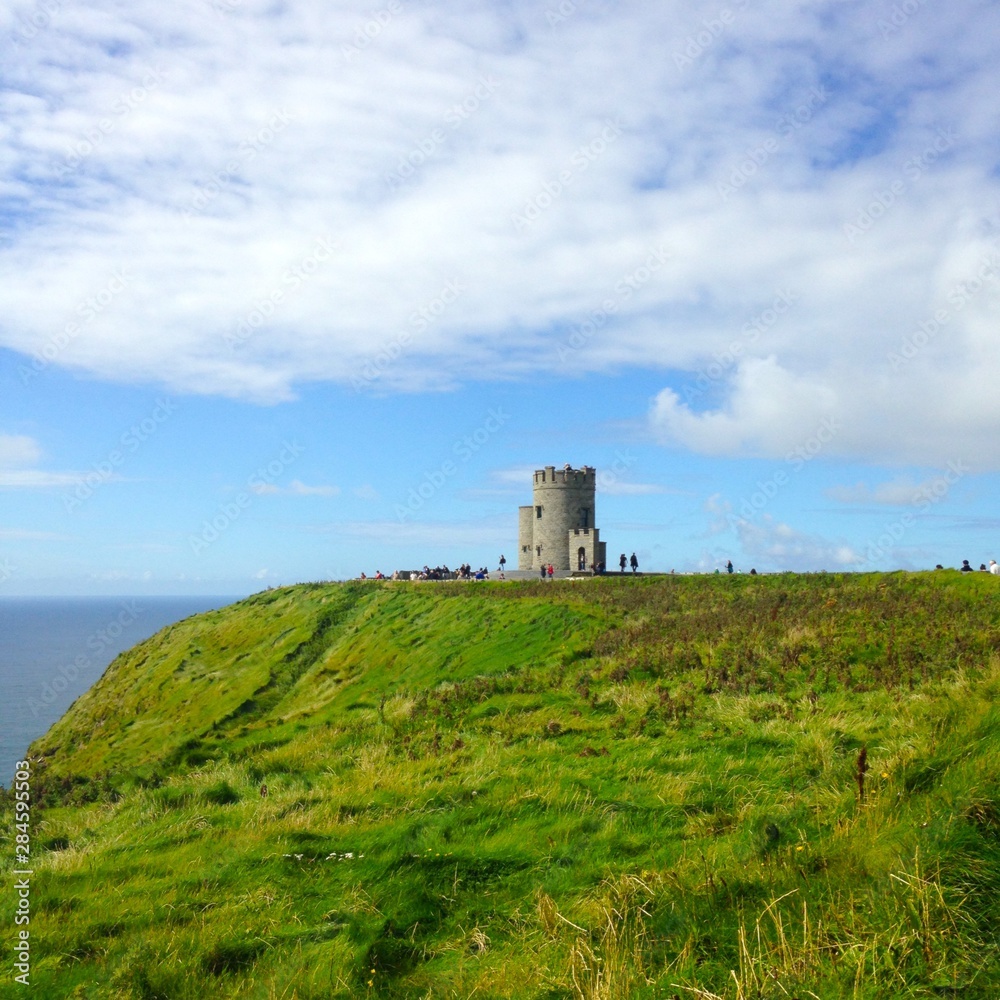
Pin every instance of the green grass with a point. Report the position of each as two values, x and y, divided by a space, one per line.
615 788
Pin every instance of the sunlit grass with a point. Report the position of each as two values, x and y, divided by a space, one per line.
638 788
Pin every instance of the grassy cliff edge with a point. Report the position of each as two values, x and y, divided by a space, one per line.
703 787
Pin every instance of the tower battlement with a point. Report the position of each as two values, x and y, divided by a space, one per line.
567 476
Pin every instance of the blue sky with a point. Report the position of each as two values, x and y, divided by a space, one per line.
271 271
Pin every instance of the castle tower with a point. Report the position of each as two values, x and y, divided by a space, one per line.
525 559
559 528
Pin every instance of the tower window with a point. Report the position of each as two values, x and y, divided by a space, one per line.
538 512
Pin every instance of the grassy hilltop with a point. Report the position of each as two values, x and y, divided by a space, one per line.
698 787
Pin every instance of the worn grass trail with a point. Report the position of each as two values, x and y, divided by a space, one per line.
705 787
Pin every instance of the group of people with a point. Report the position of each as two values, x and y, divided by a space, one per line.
439 573
464 572
731 569
633 562
983 568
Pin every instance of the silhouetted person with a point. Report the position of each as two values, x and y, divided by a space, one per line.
753 572
623 562
634 563
966 568
503 562
729 566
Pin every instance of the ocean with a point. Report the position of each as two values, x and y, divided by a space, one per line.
52 649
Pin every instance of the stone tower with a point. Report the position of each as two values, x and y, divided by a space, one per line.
559 528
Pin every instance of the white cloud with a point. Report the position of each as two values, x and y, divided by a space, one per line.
21 535
518 477
245 212
620 489
428 537
38 479
298 488
295 488
776 545
766 413
17 450
721 514
894 493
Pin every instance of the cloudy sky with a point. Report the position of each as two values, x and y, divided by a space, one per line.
293 290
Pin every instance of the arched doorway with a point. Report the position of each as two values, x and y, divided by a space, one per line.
581 558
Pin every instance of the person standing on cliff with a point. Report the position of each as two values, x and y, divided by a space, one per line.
503 562
622 562
634 563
